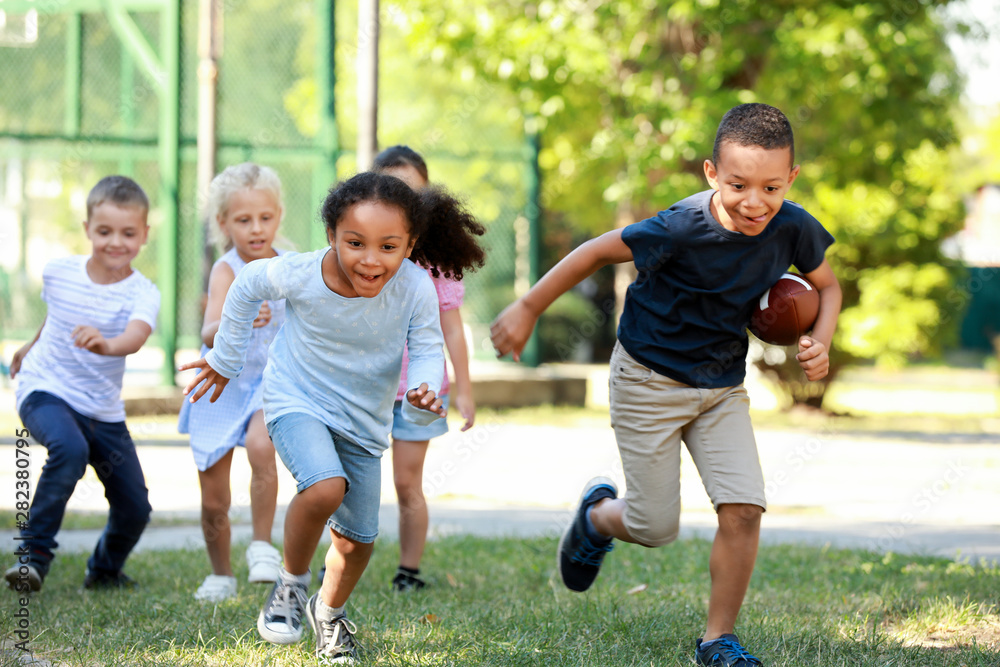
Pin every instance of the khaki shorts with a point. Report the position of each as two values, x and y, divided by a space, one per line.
651 415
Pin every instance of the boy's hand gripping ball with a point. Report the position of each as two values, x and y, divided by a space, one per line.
785 312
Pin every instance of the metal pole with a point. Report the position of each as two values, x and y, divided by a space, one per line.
209 47
327 142
531 355
74 73
367 83
169 137
126 164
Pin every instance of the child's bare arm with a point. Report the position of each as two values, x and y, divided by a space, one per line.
454 340
15 362
129 341
814 349
512 328
219 282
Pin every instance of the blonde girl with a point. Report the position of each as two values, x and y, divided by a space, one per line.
245 205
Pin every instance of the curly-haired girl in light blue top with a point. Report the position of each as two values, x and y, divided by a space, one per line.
331 376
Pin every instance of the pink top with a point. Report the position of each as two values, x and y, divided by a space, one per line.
450 295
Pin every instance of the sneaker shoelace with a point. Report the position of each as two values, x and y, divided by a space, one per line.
287 603
588 553
732 652
338 637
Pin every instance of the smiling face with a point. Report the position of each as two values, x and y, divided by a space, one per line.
116 234
751 183
368 246
251 222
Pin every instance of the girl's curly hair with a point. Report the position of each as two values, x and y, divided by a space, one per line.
445 230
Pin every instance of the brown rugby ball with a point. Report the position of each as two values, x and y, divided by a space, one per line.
786 311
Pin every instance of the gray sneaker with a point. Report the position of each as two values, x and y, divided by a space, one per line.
280 621
335 644
24 578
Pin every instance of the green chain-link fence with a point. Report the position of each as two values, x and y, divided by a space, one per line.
79 104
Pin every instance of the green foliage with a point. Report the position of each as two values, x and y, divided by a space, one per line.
628 96
912 296
979 162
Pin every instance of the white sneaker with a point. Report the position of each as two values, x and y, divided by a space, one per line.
216 588
264 562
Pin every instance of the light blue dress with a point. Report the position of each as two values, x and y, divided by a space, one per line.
216 428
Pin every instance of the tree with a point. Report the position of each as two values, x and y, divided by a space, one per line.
629 95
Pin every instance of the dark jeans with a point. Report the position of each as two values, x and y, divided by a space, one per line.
73 441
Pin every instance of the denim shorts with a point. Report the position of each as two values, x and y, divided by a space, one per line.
312 452
403 429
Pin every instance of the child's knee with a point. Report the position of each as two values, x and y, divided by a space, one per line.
656 531
259 448
407 485
67 462
327 494
133 515
213 505
740 516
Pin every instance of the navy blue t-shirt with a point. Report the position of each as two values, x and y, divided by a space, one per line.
686 314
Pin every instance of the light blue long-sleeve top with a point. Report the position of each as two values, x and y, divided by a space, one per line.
337 359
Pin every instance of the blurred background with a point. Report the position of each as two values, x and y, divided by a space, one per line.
555 121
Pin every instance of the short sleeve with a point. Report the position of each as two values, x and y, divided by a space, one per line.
450 293
146 304
812 245
650 242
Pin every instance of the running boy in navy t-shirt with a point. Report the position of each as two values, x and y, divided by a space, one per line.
677 370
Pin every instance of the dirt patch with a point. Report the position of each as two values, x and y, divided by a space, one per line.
985 633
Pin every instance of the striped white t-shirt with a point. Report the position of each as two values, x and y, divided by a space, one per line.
90 383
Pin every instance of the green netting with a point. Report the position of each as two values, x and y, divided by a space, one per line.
49 158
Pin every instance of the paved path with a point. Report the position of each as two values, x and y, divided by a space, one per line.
937 495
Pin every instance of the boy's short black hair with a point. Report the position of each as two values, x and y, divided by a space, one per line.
117 190
755 124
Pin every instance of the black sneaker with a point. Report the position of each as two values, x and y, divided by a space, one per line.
726 651
280 621
101 580
579 558
404 582
335 644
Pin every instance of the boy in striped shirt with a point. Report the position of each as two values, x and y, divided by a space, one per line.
68 395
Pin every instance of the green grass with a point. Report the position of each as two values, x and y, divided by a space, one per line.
498 602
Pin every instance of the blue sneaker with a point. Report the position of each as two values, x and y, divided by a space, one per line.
580 557
724 652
